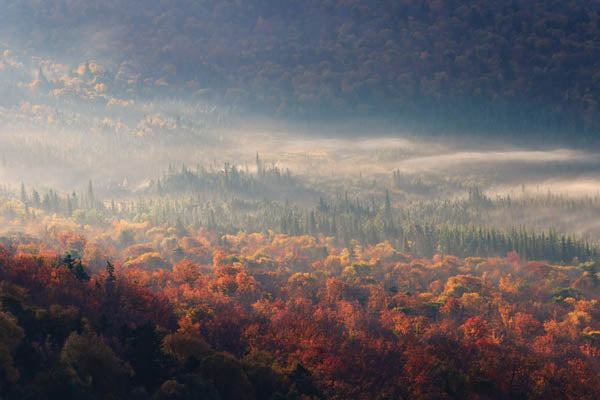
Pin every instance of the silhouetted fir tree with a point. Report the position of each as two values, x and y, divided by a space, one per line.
23 196
110 271
75 265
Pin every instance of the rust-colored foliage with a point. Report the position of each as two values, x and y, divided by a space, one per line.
363 323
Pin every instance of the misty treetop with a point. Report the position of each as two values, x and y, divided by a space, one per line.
230 199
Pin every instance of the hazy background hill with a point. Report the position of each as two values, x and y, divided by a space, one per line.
485 66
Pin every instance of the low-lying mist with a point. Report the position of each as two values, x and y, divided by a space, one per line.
66 157
69 123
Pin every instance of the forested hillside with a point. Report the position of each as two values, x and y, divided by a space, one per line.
504 66
212 282
299 200
267 316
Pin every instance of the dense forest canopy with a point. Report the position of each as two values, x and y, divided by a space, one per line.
179 311
210 275
459 65
300 200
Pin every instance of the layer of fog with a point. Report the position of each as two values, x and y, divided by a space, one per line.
66 121
66 157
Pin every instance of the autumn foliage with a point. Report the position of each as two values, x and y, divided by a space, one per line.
291 316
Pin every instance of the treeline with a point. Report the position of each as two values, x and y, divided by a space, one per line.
231 200
265 182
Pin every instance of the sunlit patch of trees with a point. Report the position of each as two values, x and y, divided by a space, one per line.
211 280
264 315
232 199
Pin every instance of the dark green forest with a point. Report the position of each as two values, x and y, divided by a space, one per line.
482 66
